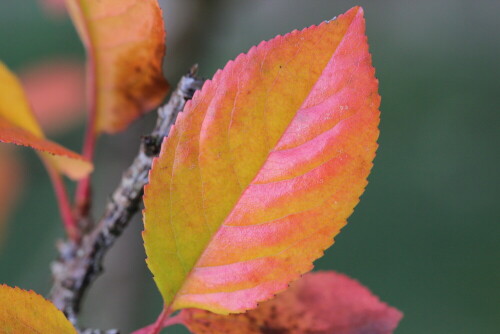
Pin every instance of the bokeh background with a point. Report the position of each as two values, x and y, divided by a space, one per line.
425 237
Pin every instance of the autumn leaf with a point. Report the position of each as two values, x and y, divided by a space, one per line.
25 312
125 42
262 168
55 90
321 303
19 126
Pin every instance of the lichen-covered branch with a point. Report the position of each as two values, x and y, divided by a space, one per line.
78 265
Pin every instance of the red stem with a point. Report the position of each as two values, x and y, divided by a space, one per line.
160 323
82 195
64 204
175 320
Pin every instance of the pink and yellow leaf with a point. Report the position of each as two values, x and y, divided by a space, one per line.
262 168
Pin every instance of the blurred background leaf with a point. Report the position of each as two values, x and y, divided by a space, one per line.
56 92
424 237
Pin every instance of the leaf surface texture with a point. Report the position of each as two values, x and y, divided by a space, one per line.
262 168
25 312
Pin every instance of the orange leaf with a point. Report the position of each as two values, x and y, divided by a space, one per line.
125 42
19 126
263 168
321 303
25 312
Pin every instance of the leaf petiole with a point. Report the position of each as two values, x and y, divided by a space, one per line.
164 320
83 189
65 209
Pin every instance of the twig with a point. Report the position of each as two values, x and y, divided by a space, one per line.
80 264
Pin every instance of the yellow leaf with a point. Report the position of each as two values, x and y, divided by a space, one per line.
19 126
25 312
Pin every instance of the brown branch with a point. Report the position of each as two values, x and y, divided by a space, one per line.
78 265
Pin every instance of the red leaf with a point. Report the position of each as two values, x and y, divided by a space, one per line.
320 303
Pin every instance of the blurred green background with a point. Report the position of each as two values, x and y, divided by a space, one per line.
425 237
